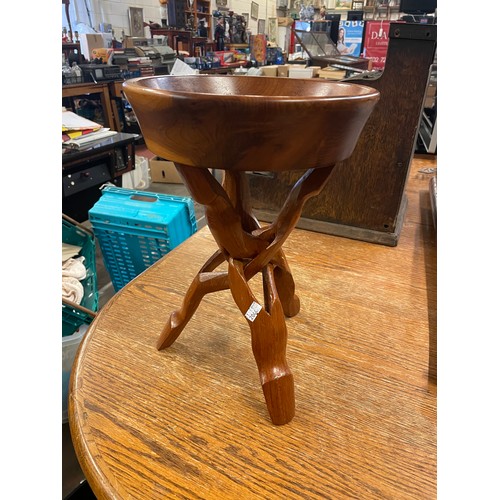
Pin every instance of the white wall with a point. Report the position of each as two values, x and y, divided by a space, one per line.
115 12
267 8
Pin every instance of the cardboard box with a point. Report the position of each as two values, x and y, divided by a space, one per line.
269 70
89 41
315 70
283 69
163 171
295 72
331 73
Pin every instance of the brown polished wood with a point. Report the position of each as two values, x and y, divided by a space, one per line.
187 422
239 123
187 38
167 109
116 96
72 52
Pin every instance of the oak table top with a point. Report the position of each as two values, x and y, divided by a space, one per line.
189 421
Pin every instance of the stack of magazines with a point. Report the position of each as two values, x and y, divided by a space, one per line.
78 131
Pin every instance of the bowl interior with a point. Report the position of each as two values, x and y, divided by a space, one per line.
249 86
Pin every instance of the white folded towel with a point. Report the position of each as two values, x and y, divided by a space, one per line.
75 268
73 271
72 289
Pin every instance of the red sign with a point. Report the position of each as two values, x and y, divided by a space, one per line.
376 42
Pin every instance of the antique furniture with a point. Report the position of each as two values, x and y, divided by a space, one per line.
85 170
236 124
365 196
72 52
87 89
188 39
187 423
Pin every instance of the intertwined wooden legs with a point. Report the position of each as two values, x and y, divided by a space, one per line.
248 250
205 282
269 335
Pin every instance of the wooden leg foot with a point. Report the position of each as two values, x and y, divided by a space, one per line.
171 331
280 399
269 335
203 283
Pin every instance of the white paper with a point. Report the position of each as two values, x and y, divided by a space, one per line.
72 121
181 68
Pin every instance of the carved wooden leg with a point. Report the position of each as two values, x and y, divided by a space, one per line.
250 249
223 218
236 186
285 286
204 282
269 335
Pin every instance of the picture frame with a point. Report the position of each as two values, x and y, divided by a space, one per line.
343 4
254 10
136 21
272 29
246 15
261 26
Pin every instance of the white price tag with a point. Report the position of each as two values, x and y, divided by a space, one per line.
252 312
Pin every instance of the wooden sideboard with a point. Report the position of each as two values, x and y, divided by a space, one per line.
180 39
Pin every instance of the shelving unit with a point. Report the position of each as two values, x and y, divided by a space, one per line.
427 133
200 9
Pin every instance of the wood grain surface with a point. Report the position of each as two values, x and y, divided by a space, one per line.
190 422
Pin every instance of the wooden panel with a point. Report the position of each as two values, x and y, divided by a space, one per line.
365 196
102 89
190 421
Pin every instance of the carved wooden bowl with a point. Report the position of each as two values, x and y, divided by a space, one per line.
250 122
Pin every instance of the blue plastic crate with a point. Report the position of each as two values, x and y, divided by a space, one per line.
136 228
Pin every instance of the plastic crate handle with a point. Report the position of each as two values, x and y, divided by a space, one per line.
142 197
74 305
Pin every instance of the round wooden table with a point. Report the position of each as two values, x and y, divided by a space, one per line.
187 421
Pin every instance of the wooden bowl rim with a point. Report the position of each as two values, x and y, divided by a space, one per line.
365 92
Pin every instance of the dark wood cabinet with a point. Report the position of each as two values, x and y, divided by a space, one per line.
72 52
365 197
184 40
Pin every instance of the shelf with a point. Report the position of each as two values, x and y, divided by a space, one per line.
205 14
428 134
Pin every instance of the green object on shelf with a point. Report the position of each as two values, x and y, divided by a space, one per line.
75 315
